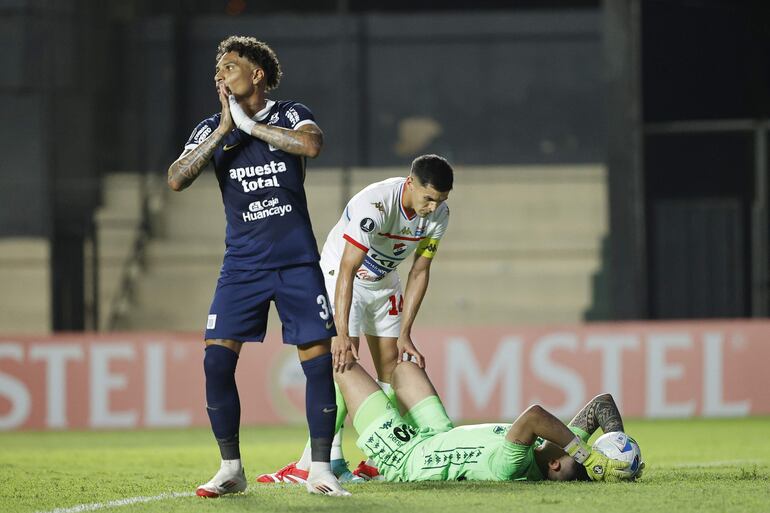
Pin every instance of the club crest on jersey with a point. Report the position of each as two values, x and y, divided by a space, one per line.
274 118
420 230
367 224
398 248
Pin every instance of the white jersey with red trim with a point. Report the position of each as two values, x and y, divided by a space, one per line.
376 221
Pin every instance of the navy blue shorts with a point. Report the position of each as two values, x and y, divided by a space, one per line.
242 300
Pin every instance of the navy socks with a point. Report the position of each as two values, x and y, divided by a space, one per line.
224 407
320 405
222 402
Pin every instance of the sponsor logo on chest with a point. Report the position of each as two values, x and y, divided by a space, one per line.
253 178
265 208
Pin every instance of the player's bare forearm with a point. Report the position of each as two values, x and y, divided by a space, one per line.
307 141
343 297
416 287
352 258
538 422
189 166
600 412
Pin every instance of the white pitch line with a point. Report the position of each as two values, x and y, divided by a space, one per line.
120 502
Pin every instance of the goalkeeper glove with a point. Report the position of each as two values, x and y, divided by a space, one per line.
240 118
599 466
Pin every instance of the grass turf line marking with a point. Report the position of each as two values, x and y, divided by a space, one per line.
120 502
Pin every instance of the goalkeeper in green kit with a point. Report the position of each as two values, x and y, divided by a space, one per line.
421 443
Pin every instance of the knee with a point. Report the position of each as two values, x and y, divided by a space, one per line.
351 367
405 368
534 412
319 367
385 370
404 372
219 362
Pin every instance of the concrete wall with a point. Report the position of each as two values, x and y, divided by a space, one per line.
508 87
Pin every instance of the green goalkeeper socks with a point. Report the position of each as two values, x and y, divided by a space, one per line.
342 408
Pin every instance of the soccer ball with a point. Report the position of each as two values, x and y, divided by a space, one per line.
619 446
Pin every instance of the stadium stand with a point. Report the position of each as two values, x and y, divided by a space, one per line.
522 251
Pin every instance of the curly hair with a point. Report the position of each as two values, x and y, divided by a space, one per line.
257 52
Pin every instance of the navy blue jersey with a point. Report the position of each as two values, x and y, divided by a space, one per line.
268 225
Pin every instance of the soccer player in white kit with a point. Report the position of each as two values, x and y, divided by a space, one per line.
380 228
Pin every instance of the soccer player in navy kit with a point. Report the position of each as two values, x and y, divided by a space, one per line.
258 148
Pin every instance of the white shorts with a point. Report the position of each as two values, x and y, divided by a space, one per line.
373 311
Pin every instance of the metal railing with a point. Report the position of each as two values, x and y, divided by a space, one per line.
134 262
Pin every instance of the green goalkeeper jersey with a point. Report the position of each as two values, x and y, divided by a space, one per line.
476 452
403 452
427 447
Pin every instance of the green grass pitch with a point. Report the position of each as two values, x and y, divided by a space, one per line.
692 465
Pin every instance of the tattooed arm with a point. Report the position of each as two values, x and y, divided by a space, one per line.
600 412
189 166
305 141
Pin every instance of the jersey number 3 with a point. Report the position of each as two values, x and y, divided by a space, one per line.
324 313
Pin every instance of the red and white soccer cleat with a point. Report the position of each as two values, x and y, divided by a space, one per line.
367 472
227 480
288 474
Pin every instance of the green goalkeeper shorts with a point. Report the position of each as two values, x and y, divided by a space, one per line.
437 451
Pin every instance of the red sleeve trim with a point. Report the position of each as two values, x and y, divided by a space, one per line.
355 243
400 237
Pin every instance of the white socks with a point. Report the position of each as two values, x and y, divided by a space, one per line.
385 387
304 460
317 467
231 465
337 446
